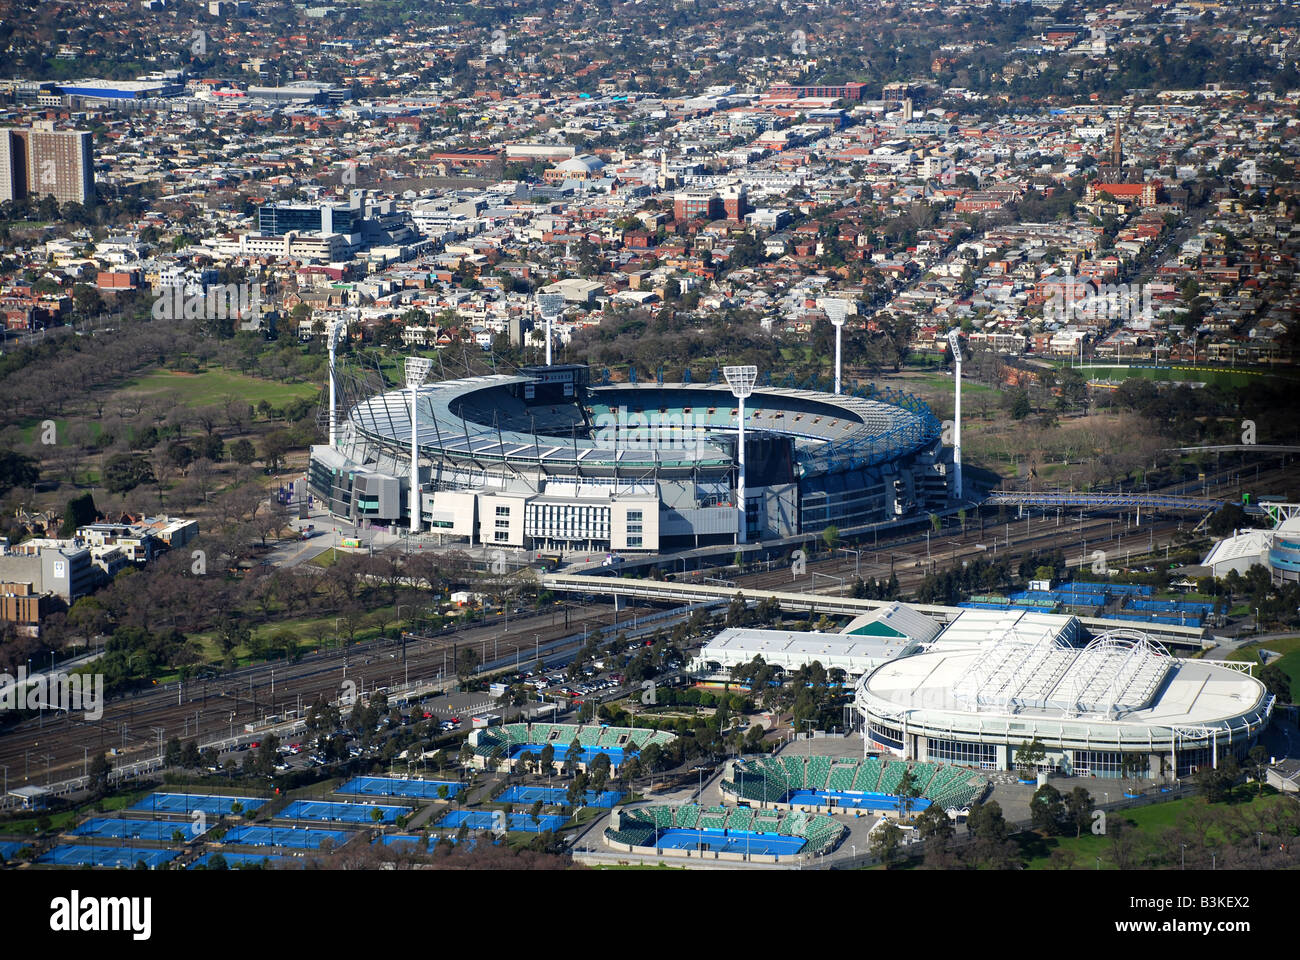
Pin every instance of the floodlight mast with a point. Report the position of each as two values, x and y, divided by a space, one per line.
551 305
332 331
741 380
954 341
417 371
837 311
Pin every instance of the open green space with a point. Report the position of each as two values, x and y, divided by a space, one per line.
1288 647
1096 852
1211 375
214 385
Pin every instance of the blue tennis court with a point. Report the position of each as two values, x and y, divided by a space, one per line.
484 820
299 838
856 801
587 755
189 802
398 787
9 850
159 830
341 812
558 796
731 841
236 860
78 855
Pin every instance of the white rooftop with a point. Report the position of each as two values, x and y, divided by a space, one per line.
792 649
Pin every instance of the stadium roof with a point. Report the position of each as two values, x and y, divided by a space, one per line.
1247 545
895 620
450 420
792 649
1112 679
987 626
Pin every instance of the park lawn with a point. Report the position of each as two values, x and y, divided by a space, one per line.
300 626
31 428
1283 645
214 385
1149 819
1211 375
942 383
1289 647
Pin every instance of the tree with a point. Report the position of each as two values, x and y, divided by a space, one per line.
1277 681
907 792
934 824
1018 400
885 841
242 452
572 756
546 763
100 768
1028 756
1047 810
985 821
1216 783
79 512
16 470
831 536
1259 764
1078 809
126 471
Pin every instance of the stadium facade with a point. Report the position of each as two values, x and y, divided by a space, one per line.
545 460
1096 706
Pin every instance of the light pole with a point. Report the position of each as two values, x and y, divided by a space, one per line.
550 305
954 341
332 332
417 371
741 381
836 311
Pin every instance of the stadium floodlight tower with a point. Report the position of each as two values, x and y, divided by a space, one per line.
741 380
334 329
954 341
417 371
836 312
551 305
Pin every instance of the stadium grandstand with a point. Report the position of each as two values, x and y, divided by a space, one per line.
542 458
737 831
840 783
510 742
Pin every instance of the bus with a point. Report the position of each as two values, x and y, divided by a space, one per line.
351 542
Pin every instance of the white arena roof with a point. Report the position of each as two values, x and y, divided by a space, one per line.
792 649
1117 679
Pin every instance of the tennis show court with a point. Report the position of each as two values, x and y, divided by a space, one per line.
731 841
857 801
586 756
